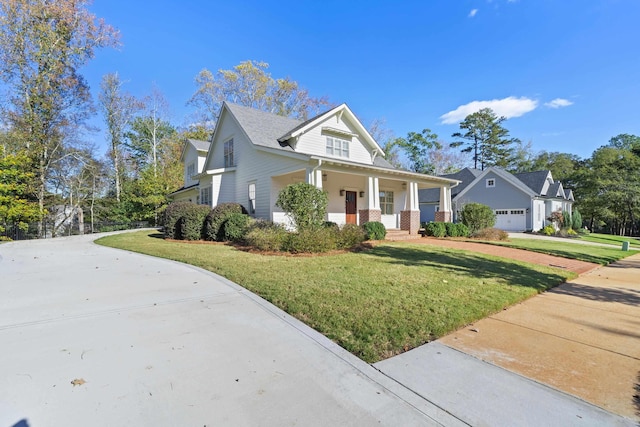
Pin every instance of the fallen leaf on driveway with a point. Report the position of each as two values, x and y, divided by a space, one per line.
78 381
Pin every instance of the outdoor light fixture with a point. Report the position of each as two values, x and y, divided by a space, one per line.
362 194
324 176
342 192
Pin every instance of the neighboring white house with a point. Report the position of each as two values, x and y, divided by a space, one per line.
253 155
520 201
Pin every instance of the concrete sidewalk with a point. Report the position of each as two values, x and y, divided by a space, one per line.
152 342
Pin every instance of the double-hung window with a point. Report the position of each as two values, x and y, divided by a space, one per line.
337 147
191 170
205 196
228 154
386 202
252 197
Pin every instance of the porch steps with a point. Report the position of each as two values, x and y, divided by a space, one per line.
396 235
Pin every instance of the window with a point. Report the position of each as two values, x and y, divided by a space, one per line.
228 154
252 197
191 170
517 212
205 196
491 182
502 212
386 202
337 147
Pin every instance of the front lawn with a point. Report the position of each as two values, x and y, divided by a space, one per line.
589 253
375 303
610 239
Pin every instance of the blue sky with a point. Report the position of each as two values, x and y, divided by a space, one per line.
564 72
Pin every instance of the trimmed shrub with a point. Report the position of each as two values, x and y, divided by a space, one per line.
171 215
490 234
477 216
190 225
463 230
305 204
266 236
218 215
549 230
374 230
311 241
350 236
235 227
436 229
451 229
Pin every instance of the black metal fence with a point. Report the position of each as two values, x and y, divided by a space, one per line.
48 231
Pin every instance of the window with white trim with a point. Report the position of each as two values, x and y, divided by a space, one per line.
205 196
191 170
252 197
337 147
386 202
517 212
502 212
228 153
491 182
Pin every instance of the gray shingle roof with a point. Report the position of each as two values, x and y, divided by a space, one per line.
466 175
263 128
200 145
533 180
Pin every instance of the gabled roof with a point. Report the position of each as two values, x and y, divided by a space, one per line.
465 176
534 180
502 174
568 194
200 146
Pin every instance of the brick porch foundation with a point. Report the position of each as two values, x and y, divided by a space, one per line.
443 216
368 215
410 221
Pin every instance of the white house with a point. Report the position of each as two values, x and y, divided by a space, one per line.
254 154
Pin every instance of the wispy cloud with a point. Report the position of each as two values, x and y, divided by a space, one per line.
508 107
558 103
473 13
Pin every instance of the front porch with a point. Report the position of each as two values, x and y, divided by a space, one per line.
359 196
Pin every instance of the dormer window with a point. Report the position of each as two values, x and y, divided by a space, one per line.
337 147
191 170
491 182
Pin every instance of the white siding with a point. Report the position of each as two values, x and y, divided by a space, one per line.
191 157
314 141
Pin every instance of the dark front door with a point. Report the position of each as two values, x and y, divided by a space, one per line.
351 207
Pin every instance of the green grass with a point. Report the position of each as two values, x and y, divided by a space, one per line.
375 303
610 239
595 254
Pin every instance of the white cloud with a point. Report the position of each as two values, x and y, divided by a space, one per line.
558 103
507 107
473 13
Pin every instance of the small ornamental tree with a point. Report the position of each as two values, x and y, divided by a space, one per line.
576 220
477 216
305 204
556 218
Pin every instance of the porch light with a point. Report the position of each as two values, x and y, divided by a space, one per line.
324 176
342 192
362 194
404 185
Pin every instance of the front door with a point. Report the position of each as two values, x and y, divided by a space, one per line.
351 207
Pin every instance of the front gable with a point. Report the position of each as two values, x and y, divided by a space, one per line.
496 188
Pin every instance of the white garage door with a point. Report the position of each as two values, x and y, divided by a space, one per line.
511 219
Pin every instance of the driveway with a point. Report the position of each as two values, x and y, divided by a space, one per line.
97 336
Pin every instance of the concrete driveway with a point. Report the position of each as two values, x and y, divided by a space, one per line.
149 342
102 337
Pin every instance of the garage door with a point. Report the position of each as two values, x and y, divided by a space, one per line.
511 219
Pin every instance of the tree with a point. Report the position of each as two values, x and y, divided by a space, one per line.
445 160
477 216
305 204
16 208
416 147
486 139
563 166
43 44
249 84
118 108
385 138
624 141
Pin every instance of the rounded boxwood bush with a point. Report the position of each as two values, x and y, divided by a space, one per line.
436 229
217 216
190 225
171 215
374 230
463 230
451 229
477 216
235 227
266 236
350 236
311 241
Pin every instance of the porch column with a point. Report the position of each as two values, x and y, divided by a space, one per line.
314 177
372 213
444 212
410 217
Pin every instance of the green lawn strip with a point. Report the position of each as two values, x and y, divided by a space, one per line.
611 239
595 254
375 303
